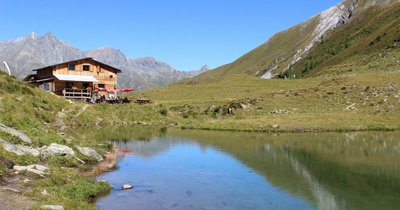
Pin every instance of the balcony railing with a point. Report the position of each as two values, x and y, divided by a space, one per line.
76 93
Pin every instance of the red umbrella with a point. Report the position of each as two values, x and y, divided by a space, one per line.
125 89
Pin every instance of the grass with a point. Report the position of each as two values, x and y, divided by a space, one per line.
38 114
342 103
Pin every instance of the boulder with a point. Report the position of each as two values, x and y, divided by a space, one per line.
127 187
89 152
57 150
36 169
52 207
8 163
16 133
275 126
19 149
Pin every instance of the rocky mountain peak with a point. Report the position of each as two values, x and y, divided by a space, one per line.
33 35
33 51
108 55
204 68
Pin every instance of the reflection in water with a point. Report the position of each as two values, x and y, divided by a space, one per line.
215 170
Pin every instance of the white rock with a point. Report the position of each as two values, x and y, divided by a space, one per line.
45 193
19 149
16 133
127 187
275 126
57 150
52 207
36 169
89 152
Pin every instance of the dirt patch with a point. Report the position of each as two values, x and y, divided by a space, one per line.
11 201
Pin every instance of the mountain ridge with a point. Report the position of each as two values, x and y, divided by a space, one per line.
286 48
33 51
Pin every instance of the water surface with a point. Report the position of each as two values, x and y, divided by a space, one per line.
217 170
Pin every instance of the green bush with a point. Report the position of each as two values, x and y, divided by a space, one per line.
163 111
63 161
83 190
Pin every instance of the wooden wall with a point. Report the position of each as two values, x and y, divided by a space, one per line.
102 73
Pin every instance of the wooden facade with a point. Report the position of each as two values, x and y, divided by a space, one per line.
77 79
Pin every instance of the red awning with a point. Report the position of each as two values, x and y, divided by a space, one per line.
125 89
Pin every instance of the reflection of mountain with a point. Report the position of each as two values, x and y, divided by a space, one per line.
330 171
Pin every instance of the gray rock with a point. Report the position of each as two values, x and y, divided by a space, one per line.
89 152
57 150
52 207
36 169
19 149
127 187
45 193
16 133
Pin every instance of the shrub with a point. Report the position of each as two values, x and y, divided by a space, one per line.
163 111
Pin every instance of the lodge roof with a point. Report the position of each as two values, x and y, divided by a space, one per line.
81 59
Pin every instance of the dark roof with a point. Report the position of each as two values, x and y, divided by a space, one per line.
29 76
87 58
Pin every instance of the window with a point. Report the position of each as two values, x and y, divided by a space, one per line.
86 67
101 85
47 86
69 85
71 67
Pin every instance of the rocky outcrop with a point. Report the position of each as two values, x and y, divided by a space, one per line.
8 163
36 169
57 150
19 149
17 133
89 152
52 207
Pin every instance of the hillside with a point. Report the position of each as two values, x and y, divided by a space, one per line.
368 43
33 51
288 48
39 115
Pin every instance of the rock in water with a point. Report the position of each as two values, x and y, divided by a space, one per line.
52 207
57 150
127 187
16 133
89 152
19 149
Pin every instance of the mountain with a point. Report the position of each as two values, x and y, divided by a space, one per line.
287 48
33 51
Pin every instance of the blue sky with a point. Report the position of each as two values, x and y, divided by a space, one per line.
184 33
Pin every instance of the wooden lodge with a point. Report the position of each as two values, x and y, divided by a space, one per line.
77 79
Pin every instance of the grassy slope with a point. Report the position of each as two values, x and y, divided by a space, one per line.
35 112
370 42
366 43
313 104
274 53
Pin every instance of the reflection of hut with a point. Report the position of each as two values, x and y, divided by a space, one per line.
109 163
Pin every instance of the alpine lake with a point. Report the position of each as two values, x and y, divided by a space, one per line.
192 169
